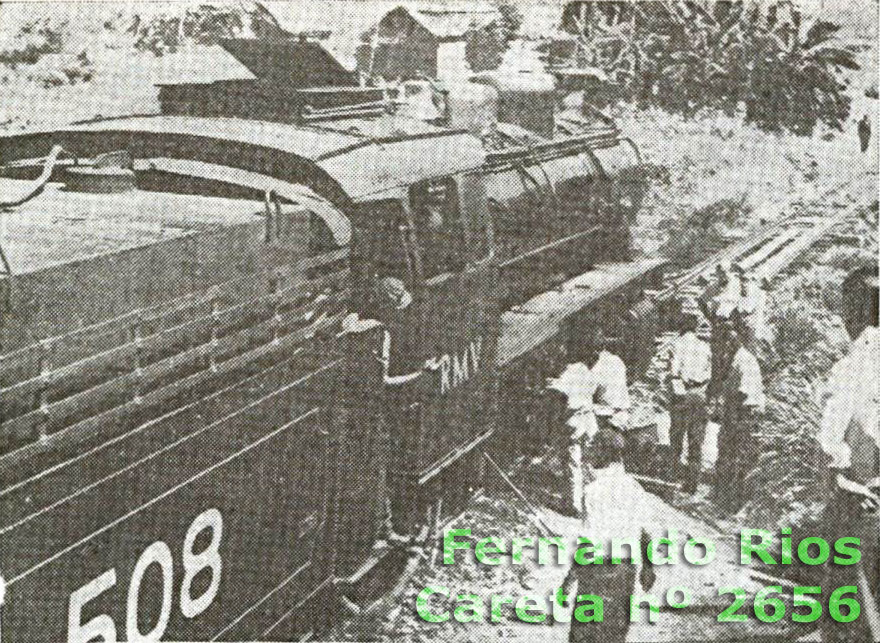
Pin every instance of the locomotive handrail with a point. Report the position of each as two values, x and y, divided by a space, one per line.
339 225
549 246
160 339
36 186
552 149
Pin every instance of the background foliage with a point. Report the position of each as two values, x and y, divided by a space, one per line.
779 66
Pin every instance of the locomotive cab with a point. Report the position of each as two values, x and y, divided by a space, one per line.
436 237
219 343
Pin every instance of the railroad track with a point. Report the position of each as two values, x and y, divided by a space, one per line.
769 249
765 253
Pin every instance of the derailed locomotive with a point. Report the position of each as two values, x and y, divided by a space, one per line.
188 449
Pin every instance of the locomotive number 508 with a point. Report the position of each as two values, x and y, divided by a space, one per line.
205 561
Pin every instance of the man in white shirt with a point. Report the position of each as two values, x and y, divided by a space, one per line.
598 396
690 369
615 508
849 434
718 304
743 398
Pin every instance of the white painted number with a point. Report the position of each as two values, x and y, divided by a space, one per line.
159 554
207 560
101 626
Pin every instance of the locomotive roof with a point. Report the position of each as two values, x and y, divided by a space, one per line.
61 226
364 157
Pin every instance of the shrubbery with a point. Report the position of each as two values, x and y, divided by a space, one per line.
780 67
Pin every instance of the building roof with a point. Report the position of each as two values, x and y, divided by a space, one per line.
454 23
450 22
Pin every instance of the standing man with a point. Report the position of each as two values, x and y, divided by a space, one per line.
401 363
718 303
850 436
690 369
598 396
753 308
615 506
742 393
864 130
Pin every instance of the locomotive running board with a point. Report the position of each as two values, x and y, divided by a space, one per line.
542 317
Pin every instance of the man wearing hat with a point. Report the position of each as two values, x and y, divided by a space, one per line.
690 369
598 396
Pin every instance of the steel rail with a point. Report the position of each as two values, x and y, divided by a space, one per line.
741 248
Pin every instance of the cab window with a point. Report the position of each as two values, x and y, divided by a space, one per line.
440 230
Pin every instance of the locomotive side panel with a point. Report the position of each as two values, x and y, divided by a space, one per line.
181 546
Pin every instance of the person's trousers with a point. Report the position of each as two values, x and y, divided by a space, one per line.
615 584
402 504
688 417
844 517
575 490
577 451
737 454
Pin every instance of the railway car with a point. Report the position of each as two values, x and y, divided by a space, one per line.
188 442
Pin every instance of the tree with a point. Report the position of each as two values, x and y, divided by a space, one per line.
685 55
485 47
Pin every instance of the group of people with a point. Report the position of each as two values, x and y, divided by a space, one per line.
722 379
723 373
727 369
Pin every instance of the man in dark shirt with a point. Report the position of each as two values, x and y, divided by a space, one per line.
864 130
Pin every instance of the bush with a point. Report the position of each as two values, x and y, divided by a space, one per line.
848 258
796 328
685 56
703 232
33 41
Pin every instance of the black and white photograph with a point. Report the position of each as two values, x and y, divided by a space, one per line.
439 321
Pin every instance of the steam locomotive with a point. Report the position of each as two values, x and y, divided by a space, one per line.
187 449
